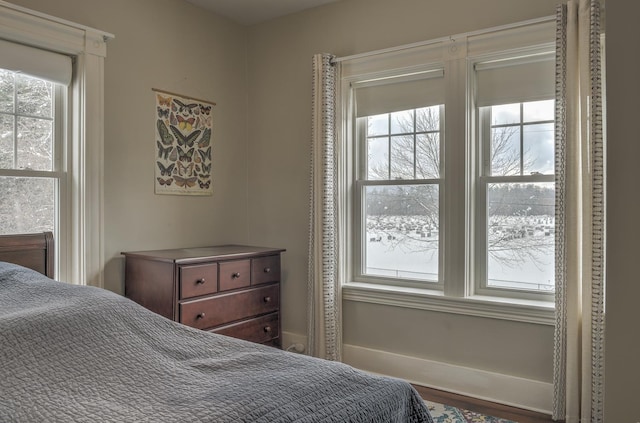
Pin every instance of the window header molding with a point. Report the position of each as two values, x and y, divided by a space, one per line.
413 57
33 28
550 20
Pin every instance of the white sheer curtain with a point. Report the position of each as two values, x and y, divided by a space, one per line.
324 300
579 333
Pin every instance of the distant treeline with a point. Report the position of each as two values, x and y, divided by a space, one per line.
504 199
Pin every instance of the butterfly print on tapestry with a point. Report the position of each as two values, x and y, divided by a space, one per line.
183 170
205 121
174 155
185 156
163 113
165 136
185 124
185 141
185 182
165 171
185 109
163 153
164 101
205 139
205 154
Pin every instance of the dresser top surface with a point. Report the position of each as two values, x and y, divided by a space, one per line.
197 254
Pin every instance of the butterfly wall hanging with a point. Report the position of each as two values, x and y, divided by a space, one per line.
183 145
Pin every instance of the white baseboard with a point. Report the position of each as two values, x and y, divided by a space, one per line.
495 387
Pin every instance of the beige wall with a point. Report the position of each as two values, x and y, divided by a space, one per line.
261 158
279 69
622 352
171 45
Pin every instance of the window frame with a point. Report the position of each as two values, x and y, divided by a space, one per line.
483 178
456 55
80 245
59 171
359 216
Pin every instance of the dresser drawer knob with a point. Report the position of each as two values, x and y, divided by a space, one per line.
200 281
267 299
236 275
200 315
267 270
267 329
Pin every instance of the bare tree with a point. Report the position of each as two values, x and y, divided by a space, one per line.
504 159
26 204
415 149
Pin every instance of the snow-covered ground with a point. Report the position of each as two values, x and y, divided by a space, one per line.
407 247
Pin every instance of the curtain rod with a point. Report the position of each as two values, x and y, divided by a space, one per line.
443 39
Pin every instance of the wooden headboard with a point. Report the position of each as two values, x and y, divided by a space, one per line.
34 251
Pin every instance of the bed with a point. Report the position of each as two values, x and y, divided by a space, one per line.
77 353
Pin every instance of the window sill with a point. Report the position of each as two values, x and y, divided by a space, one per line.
538 312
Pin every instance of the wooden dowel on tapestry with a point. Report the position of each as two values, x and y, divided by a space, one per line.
183 96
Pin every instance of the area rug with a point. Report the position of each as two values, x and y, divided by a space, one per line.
447 414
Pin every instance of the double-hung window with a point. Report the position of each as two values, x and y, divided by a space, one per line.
399 128
33 128
51 136
449 148
31 153
515 189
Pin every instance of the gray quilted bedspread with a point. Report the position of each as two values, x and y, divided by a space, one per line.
81 354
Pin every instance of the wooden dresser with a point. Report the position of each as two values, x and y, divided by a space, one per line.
229 289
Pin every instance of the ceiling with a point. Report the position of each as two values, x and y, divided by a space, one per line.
248 12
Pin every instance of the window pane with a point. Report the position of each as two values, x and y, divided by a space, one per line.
402 157
402 232
35 96
378 158
35 144
505 114
535 111
378 125
428 119
26 205
402 122
539 147
6 141
428 156
6 91
505 151
521 233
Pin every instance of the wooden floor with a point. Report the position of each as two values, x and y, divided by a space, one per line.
485 407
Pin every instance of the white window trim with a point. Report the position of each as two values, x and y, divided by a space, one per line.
84 219
58 171
358 220
455 53
482 181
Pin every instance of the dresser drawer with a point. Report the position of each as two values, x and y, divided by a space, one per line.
198 279
265 270
235 274
261 329
225 308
